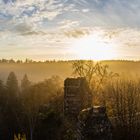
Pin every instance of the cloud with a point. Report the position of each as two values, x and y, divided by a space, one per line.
85 10
105 13
33 12
123 37
76 33
47 24
22 28
67 24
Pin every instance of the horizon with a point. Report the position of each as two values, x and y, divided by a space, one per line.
70 29
29 60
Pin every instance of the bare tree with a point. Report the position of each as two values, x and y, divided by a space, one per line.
123 99
97 76
85 69
92 71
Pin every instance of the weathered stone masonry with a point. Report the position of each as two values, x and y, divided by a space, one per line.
91 122
77 96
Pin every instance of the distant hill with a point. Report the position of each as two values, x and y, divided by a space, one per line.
40 71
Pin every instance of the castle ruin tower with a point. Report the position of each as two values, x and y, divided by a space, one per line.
77 96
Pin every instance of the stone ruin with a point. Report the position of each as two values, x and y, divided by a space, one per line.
77 96
92 122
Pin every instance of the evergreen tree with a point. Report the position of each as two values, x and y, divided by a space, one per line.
2 95
12 106
12 83
3 102
25 83
1 86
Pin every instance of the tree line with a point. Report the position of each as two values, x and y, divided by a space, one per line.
11 61
27 60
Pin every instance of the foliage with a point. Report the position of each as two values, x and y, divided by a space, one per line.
36 111
12 83
25 83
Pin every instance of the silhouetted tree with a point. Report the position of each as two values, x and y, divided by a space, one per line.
91 71
123 103
25 83
19 61
96 74
32 100
4 61
49 124
2 95
12 83
12 106
2 107
11 61
28 60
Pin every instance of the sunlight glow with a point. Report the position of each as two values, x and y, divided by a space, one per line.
94 47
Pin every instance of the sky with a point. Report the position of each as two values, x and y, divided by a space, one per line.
70 29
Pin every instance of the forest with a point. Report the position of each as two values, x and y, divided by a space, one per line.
34 110
39 70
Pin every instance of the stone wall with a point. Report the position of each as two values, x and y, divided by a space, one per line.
77 96
90 123
94 124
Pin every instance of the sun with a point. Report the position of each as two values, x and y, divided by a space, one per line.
94 47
